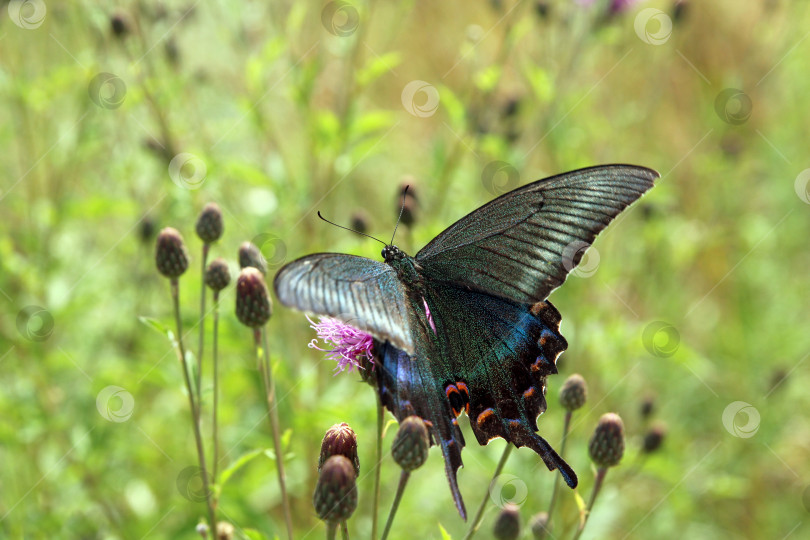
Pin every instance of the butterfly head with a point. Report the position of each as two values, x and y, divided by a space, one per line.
392 253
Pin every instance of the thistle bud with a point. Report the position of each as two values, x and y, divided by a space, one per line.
574 392
253 307
507 524
209 223
225 530
335 497
359 222
250 256
607 443
647 407
119 24
217 275
653 439
340 440
410 448
147 229
539 525
171 256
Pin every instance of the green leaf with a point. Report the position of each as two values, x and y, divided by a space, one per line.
445 534
155 325
240 462
378 66
388 424
253 534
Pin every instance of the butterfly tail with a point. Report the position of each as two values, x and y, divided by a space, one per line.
452 461
552 459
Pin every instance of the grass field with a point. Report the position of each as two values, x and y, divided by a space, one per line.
121 118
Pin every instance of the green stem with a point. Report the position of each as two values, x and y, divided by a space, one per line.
344 530
202 325
195 411
597 485
215 434
375 505
270 389
480 512
403 481
556 490
331 530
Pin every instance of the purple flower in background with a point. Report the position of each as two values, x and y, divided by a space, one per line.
618 6
349 343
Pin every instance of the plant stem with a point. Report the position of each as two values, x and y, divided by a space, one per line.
403 481
331 530
215 435
480 512
555 491
375 505
195 411
270 389
597 485
202 325
344 530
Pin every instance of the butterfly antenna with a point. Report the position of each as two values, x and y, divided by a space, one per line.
402 209
348 229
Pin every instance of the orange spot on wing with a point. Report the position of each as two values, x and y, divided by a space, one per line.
485 415
528 394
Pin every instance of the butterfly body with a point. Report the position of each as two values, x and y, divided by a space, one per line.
465 326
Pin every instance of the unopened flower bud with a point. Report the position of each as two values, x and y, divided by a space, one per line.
507 524
574 392
225 530
653 439
209 223
647 407
539 525
171 256
217 275
119 24
410 448
335 497
249 255
607 443
253 307
340 440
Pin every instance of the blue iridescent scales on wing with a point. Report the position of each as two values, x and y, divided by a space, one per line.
465 325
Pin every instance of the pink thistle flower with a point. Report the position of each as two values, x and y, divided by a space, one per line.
349 343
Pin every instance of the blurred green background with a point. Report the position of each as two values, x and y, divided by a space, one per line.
692 300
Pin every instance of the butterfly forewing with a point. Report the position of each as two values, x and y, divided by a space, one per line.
360 291
522 245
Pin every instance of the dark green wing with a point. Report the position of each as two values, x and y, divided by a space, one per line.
359 291
522 245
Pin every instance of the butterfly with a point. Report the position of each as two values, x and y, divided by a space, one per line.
465 325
